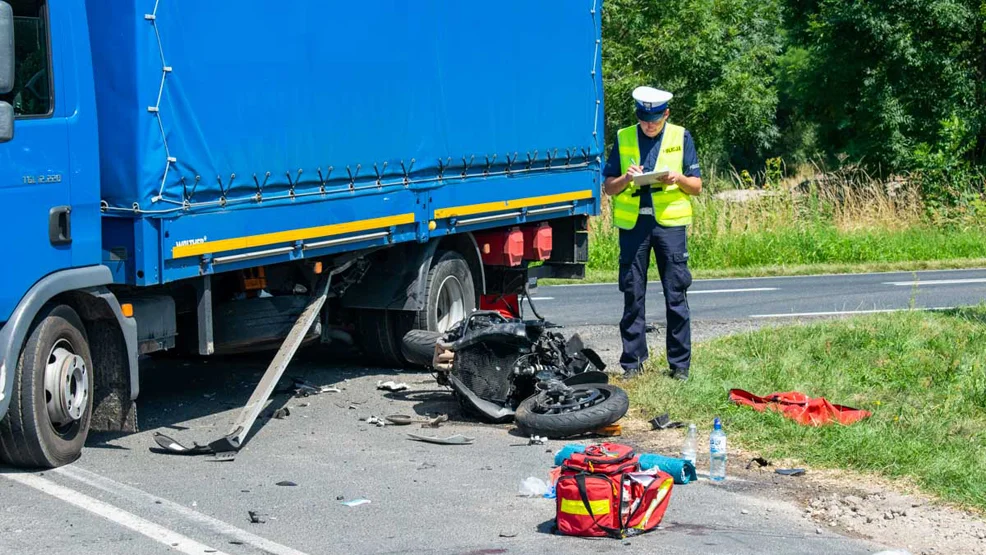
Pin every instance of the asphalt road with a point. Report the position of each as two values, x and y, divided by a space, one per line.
122 497
771 298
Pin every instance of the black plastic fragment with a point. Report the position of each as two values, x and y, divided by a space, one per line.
663 422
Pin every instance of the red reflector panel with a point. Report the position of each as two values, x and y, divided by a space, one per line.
506 247
537 242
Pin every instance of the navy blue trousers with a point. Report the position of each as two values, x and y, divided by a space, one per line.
670 248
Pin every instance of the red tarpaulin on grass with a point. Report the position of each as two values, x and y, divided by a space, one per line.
799 407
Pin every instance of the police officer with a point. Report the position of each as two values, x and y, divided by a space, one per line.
653 217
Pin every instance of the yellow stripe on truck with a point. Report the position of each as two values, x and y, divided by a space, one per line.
266 239
577 507
500 206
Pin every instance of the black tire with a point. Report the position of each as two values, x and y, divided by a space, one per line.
28 437
445 267
418 347
382 331
611 408
380 338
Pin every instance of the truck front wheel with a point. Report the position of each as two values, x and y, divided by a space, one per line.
48 420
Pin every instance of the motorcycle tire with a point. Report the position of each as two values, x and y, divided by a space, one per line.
418 347
612 407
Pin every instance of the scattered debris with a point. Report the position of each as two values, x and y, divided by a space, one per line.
340 497
303 388
510 534
379 423
236 542
435 422
663 422
392 386
426 466
759 461
533 487
282 413
457 439
257 517
613 430
790 471
286 483
537 440
218 449
404 420
744 512
303 405
356 502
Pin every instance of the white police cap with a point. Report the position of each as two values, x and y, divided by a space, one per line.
651 101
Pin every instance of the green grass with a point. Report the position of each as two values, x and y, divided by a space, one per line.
923 374
809 246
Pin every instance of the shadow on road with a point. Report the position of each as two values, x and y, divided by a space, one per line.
174 391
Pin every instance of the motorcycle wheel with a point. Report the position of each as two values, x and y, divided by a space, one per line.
594 406
418 347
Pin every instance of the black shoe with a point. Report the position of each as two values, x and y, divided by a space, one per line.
630 373
679 374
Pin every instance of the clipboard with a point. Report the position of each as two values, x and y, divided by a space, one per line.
649 178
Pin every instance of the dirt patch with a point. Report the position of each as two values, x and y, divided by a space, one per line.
866 507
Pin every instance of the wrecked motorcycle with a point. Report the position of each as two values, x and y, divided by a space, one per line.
502 369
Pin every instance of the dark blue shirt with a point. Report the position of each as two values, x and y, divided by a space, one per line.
649 151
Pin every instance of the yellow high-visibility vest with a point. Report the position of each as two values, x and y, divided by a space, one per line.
671 206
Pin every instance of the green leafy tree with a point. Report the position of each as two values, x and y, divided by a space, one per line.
717 56
879 78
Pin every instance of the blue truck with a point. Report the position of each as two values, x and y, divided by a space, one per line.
211 177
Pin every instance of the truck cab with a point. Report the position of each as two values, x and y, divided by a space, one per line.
49 215
49 180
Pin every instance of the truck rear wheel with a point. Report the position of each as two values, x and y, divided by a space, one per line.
48 420
450 293
450 296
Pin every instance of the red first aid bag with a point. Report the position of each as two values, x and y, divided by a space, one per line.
602 492
603 458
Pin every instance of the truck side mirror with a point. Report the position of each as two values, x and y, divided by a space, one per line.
6 48
6 70
6 122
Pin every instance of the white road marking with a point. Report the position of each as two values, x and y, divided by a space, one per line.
846 312
158 533
542 298
754 278
747 290
935 282
142 497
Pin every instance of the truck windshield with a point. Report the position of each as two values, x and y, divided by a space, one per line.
32 95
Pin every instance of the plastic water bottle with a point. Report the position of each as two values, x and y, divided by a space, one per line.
717 452
688 450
